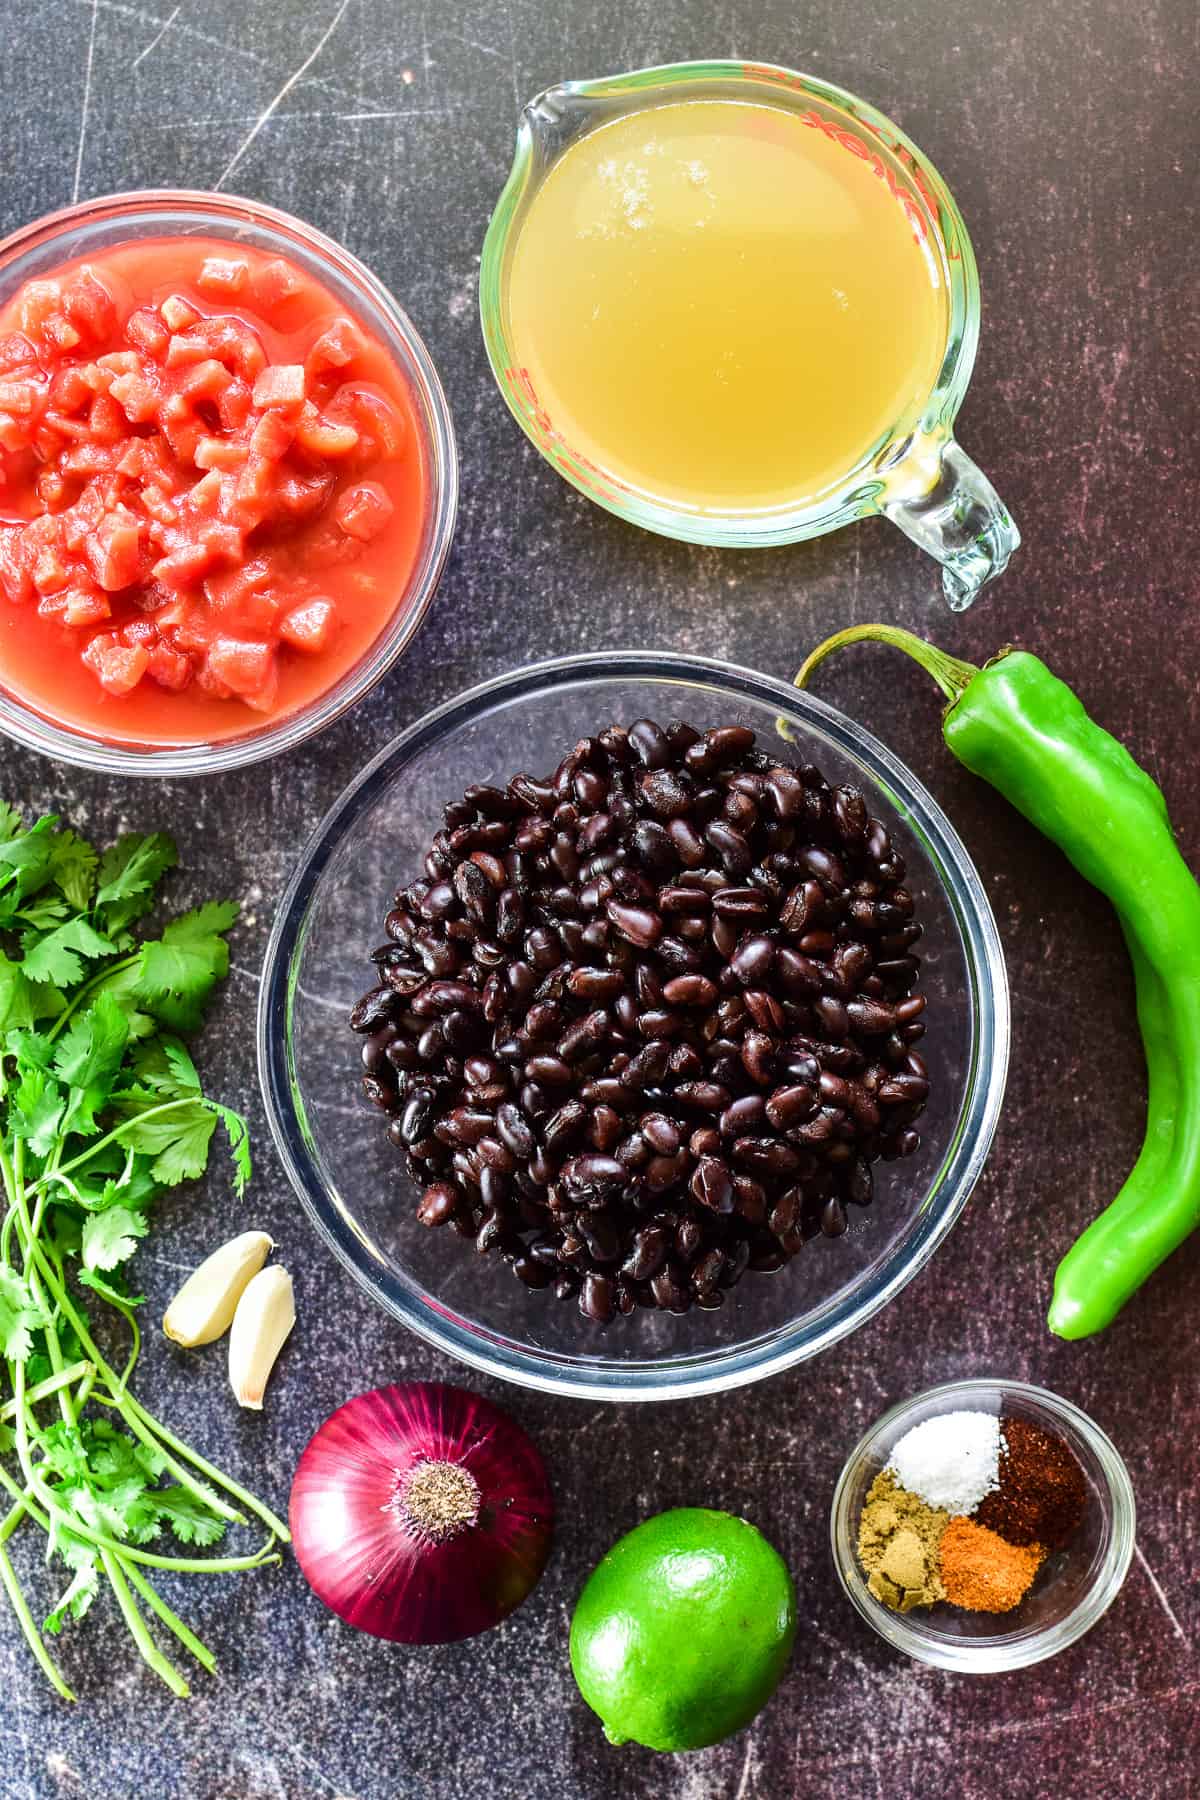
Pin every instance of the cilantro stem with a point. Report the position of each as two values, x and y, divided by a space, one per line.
33 1636
151 1654
275 1525
191 1564
171 1620
135 1416
42 1390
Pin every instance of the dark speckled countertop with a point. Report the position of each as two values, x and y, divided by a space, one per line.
1068 135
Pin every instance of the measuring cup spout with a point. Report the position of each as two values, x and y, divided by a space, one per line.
950 509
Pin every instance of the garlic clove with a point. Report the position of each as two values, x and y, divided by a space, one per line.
265 1315
203 1309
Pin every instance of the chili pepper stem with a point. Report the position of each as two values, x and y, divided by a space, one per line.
952 675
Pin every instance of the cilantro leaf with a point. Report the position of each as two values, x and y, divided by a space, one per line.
179 970
188 1517
73 868
10 822
88 1058
24 1002
178 1140
164 1069
19 1315
129 874
110 1237
238 1133
37 1112
113 1291
25 858
74 1601
58 957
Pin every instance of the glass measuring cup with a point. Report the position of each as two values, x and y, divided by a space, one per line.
915 474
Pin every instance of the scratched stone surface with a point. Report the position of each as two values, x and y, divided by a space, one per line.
1068 135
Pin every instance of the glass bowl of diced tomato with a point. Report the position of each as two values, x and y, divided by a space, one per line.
228 482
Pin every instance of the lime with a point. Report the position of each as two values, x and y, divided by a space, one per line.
682 1632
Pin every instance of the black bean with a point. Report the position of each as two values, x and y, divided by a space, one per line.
712 1185
636 923
666 793
438 1203
649 744
790 1106
656 967
373 1010
690 990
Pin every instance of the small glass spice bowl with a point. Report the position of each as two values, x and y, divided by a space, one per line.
1073 1588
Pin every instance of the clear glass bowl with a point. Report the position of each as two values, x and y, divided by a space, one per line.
99 225
1073 1588
352 1182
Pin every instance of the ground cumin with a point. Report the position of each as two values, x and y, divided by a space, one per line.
898 1537
981 1572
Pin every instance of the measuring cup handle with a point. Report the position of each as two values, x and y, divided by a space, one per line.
950 509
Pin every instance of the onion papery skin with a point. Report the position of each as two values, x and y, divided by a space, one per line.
372 1568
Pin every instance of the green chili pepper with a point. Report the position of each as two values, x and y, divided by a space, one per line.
1022 729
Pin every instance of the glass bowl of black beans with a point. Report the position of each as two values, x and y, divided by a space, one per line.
634 1026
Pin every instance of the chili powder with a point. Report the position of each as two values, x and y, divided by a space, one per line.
981 1572
1042 1493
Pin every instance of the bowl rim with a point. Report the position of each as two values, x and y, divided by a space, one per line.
698 1373
994 1655
49 737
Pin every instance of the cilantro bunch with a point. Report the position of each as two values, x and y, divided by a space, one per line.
101 1109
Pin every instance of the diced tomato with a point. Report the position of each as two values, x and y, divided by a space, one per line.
282 385
50 572
13 437
301 496
324 437
363 511
118 668
222 276
137 396
188 624
273 435
170 668
139 631
84 606
21 397
51 487
16 351
145 328
113 551
183 567
242 665
336 348
232 342
203 495
59 331
274 284
219 453
16 573
106 421
234 405
89 459
89 305
178 313
309 627
232 585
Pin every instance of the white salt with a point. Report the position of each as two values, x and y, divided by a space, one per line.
951 1461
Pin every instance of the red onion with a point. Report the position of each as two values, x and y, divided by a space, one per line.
421 1513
